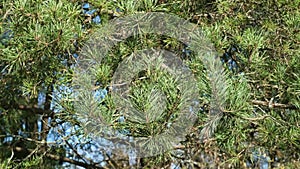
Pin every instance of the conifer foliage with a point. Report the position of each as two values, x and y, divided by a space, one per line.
257 43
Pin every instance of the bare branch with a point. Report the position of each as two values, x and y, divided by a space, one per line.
64 159
273 105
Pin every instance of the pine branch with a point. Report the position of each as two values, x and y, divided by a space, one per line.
273 105
28 107
31 108
63 159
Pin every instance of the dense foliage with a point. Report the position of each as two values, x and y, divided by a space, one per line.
257 42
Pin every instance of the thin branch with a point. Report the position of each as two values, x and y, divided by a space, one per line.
29 139
11 157
273 105
257 118
75 151
64 159
28 156
30 108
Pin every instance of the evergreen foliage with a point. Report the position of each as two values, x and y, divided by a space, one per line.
257 43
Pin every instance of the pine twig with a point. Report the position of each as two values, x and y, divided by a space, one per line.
273 105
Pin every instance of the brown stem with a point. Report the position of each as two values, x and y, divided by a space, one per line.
63 159
273 105
45 116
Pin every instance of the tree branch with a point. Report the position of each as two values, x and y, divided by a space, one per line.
35 109
273 105
64 159
28 108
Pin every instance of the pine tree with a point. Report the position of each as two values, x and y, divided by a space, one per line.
257 44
